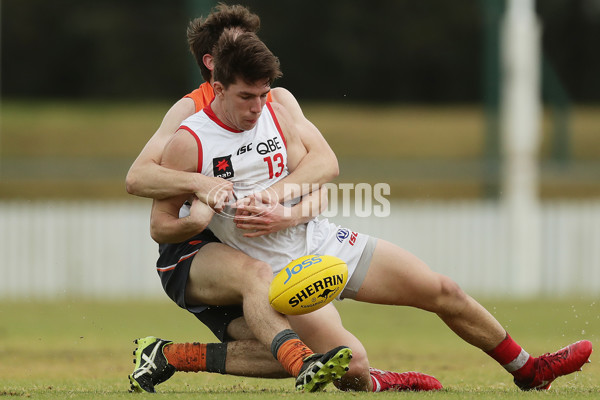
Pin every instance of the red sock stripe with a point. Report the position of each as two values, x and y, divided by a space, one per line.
507 351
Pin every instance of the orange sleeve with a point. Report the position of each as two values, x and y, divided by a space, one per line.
202 96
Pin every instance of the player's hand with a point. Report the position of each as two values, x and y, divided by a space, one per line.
261 216
216 193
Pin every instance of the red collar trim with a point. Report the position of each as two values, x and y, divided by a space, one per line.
211 114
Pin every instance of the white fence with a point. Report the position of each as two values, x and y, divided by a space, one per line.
103 249
77 249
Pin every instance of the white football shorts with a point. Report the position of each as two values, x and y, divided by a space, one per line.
356 249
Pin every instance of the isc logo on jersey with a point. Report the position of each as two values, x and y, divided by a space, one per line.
307 284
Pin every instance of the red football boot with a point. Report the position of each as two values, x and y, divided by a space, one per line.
406 381
550 366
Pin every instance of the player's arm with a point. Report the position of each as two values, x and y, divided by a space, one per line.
261 213
167 227
319 165
148 178
264 217
180 154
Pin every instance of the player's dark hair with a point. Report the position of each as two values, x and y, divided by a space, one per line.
244 56
203 33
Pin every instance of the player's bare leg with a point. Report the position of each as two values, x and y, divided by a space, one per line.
323 329
397 277
250 358
246 356
224 276
156 360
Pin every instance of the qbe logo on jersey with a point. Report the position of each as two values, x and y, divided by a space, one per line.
222 167
343 234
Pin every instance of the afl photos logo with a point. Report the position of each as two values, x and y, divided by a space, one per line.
222 167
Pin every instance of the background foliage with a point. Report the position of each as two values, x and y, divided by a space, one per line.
380 50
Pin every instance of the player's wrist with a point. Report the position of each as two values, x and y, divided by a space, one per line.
189 226
201 186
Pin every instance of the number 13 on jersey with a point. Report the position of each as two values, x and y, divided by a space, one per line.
276 161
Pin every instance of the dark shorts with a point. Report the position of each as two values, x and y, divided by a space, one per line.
173 266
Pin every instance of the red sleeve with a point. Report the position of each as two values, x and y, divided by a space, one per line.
199 167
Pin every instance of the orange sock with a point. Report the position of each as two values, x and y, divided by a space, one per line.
290 355
187 357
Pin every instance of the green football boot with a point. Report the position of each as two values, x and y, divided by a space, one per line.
151 365
319 370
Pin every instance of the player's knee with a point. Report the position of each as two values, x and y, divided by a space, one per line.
257 273
357 378
359 363
450 296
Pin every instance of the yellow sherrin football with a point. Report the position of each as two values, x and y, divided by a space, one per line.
307 284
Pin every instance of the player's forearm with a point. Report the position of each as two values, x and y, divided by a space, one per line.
314 170
311 206
157 182
166 228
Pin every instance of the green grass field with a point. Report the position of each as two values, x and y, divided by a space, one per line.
82 350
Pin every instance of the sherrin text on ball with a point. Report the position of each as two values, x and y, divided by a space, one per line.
307 284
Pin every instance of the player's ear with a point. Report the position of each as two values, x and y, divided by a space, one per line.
218 88
208 61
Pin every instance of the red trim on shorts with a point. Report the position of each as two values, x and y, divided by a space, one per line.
199 167
182 258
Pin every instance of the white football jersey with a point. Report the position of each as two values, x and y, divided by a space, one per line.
253 160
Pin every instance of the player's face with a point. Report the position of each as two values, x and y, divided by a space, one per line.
243 103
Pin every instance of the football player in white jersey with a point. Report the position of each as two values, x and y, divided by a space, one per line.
383 273
240 353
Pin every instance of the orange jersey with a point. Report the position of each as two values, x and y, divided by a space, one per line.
205 94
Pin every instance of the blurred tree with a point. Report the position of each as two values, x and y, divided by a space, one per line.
380 50
85 48
571 29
